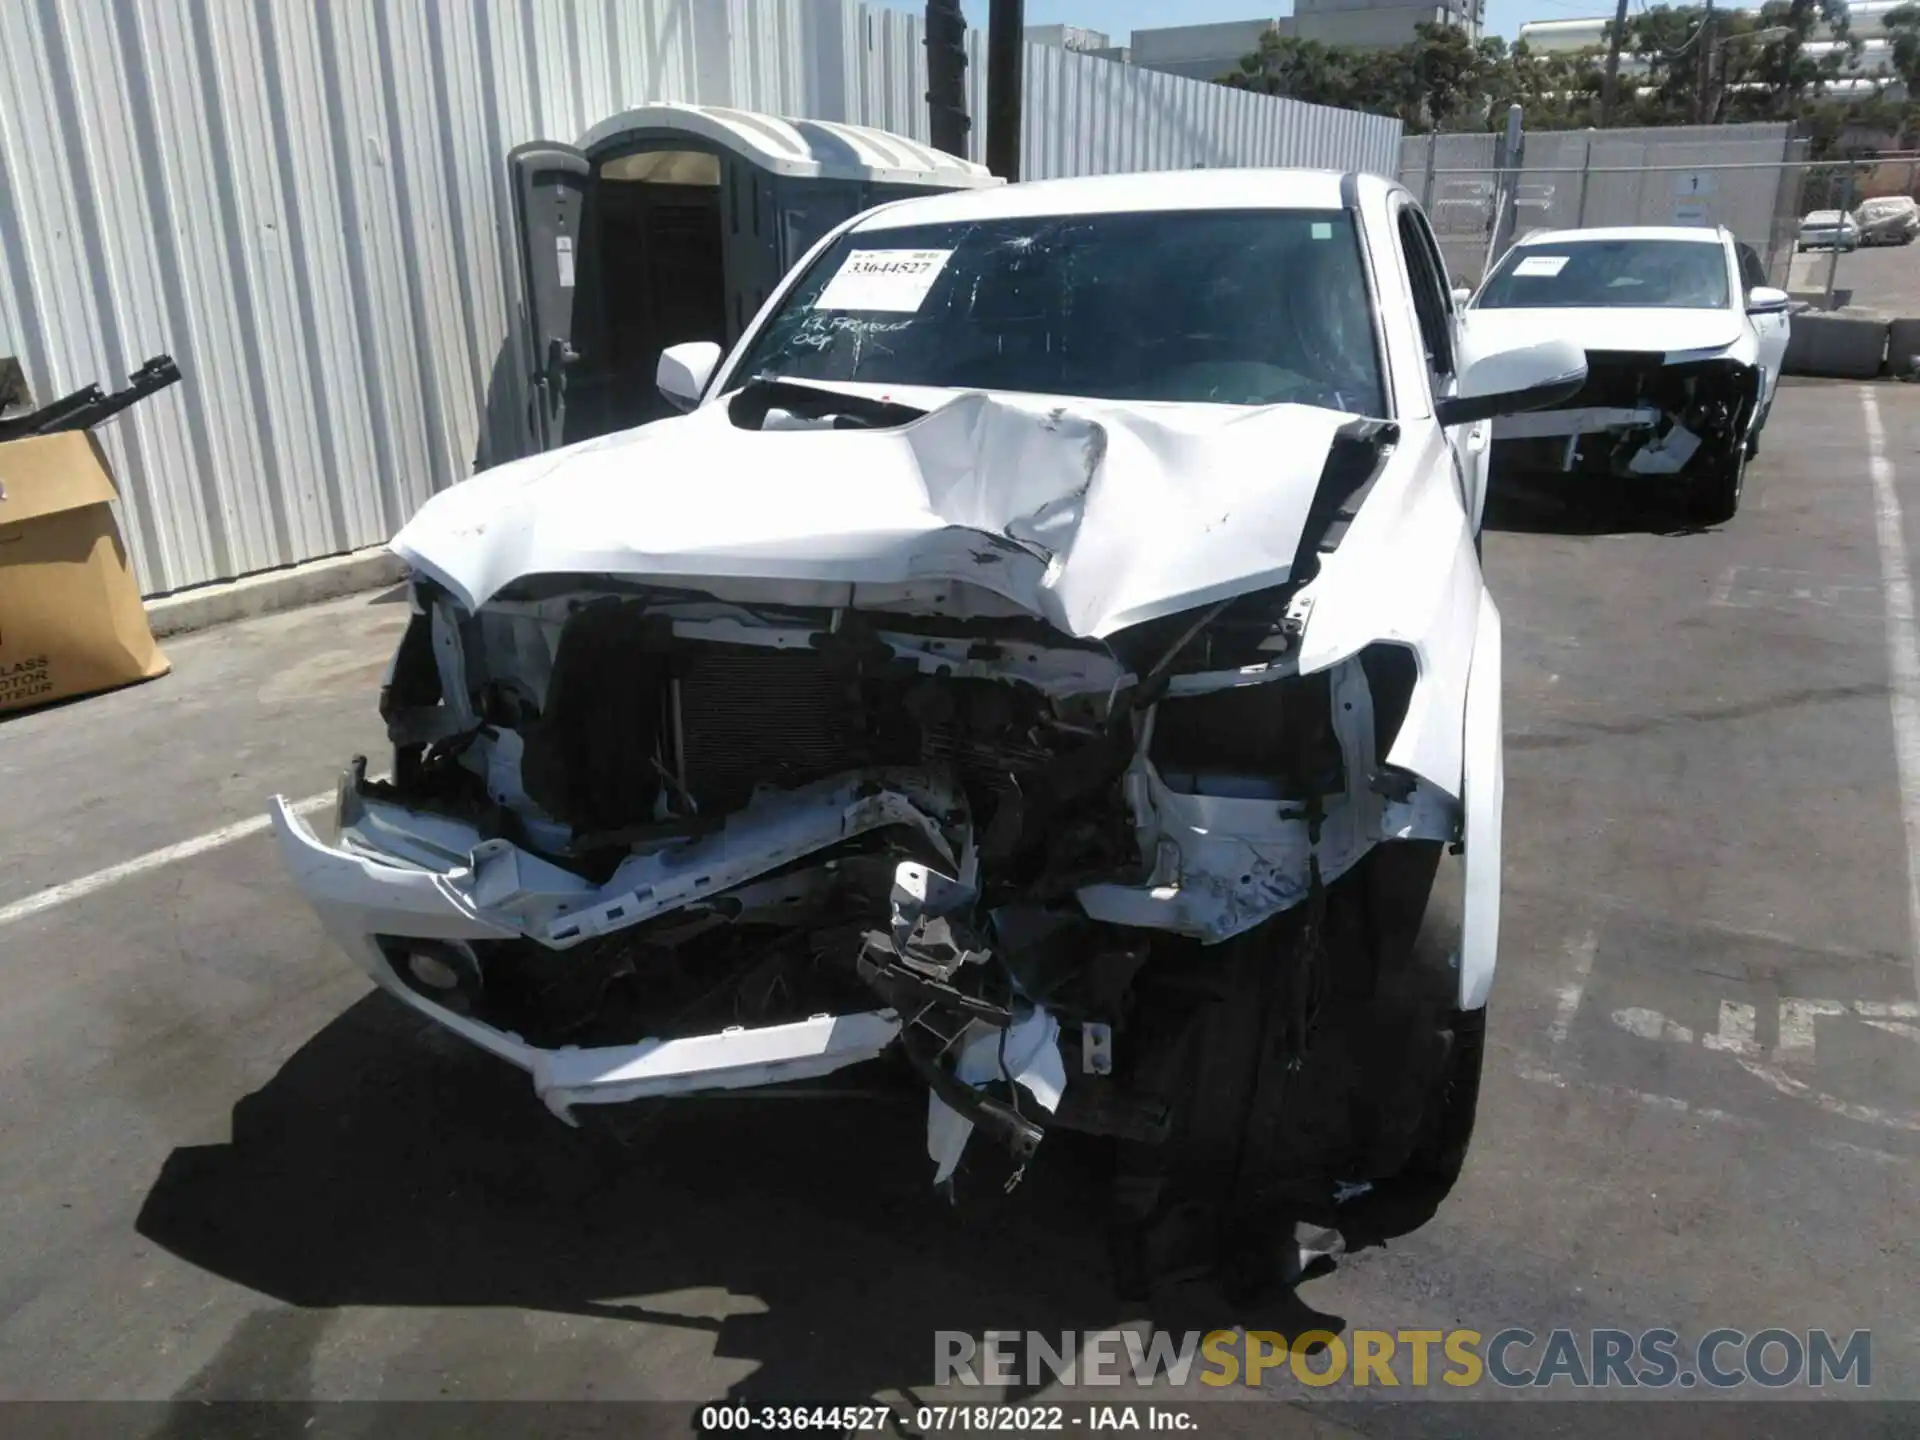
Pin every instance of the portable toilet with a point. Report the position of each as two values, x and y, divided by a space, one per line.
675 222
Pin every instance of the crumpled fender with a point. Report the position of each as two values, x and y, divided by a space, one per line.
1406 573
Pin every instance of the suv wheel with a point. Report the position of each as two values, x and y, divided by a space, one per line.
1332 1082
1715 493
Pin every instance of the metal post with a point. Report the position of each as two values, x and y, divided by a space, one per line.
1586 171
1006 59
1506 196
1610 87
947 122
1703 81
1426 184
1833 263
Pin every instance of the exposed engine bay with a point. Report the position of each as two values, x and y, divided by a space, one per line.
1637 416
803 812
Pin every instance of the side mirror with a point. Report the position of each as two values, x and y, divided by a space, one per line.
1765 300
1508 382
1462 294
684 370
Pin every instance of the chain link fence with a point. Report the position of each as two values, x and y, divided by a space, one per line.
1880 273
1746 177
1857 300
1875 267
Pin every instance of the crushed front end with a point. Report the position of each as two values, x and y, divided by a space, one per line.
648 833
1640 415
644 843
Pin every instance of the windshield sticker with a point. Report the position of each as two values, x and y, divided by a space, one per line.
1323 229
890 280
1540 265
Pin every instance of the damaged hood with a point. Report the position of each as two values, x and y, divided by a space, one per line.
1094 515
1675 335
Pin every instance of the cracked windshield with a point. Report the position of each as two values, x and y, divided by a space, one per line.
1251 308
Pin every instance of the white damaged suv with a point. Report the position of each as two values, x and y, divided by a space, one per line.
1049 656
1684 340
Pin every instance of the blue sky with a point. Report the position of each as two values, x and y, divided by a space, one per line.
1118 17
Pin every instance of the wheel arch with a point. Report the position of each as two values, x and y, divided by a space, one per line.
1483 785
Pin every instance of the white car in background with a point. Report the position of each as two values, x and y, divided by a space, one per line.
1684 342
1051 651
1828 230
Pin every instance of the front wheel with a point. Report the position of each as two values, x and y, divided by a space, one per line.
1326 1077
1715 492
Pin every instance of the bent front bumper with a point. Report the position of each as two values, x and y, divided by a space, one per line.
360 899
1554 424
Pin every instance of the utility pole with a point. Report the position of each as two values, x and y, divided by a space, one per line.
946 43
1006 62
1703 89
1611 86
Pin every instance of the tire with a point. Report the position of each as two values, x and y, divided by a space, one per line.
1263 1130
1410 1198
1715 493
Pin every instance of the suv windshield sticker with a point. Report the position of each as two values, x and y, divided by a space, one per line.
895 280
1540 265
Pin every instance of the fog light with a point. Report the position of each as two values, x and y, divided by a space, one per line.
444 971
430 970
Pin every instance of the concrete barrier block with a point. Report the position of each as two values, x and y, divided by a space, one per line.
1903 345
1850 347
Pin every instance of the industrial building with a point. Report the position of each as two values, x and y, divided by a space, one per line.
1201 52
1381 23
1078 40
1866 18
1207 52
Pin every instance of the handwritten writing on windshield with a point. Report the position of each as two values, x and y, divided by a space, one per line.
821 332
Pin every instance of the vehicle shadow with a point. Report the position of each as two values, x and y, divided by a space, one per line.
1536 503
387 1165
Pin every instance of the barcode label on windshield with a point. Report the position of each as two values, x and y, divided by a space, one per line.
890 280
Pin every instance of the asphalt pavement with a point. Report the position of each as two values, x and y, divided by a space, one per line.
229 1171
1881 277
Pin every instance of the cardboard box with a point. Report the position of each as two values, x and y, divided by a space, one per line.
71 620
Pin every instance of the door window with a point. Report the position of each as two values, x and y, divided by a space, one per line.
1431 302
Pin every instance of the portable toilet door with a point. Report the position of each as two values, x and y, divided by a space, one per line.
550 187
672 223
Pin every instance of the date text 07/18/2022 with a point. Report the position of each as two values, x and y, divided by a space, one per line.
930 1420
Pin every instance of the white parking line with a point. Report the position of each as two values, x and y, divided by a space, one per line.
1567 1005
199 845
1671 1103
1903 656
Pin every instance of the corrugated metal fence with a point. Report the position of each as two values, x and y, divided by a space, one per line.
306 205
